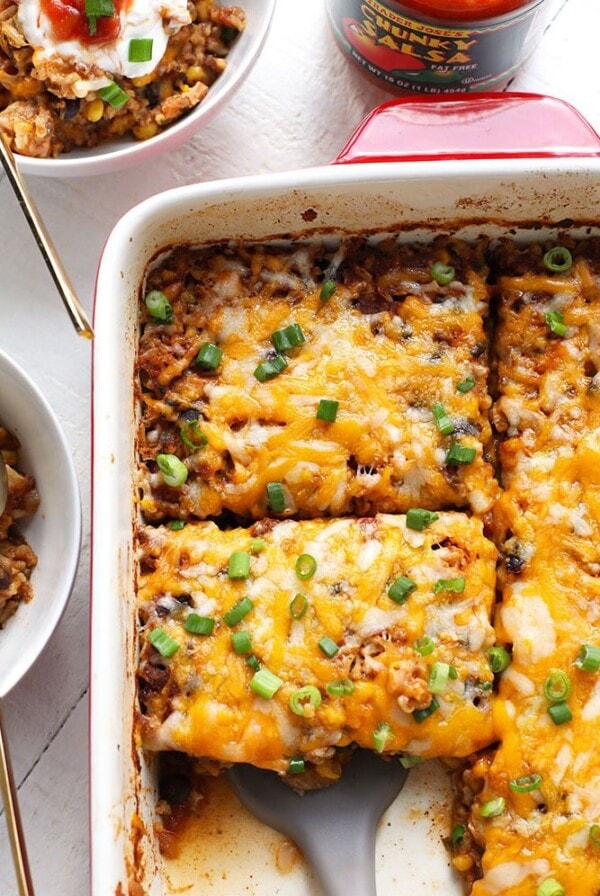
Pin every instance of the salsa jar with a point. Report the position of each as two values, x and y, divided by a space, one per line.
439 46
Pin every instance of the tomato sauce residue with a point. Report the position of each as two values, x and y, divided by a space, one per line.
69 21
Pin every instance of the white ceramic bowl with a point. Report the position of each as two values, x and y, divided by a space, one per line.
128 151
54 532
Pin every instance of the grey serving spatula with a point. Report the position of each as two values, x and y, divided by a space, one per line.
334 827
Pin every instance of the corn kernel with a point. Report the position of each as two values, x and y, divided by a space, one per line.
194 73
330 769
145 131
94 110
143 80
462 862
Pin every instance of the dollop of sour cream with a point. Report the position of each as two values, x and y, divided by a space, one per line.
154 20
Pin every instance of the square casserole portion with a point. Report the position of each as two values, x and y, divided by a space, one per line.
374 331
535 801
377 637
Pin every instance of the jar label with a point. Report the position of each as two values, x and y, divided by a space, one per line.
424 57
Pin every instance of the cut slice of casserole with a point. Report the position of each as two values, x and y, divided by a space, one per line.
287 641
535 809
306 381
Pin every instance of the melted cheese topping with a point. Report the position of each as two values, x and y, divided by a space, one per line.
388 346
548 517
207 707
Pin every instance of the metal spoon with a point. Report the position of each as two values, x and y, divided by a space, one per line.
334 827
49 253
7 780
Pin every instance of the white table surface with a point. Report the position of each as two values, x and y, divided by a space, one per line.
298 106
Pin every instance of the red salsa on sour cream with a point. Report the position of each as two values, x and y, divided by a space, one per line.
70 21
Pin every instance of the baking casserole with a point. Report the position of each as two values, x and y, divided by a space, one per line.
417 198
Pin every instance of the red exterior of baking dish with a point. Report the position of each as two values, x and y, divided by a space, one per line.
486 126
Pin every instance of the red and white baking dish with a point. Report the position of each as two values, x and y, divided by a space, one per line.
523 163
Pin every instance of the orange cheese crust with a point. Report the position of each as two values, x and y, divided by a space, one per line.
388 345
204 704
547 525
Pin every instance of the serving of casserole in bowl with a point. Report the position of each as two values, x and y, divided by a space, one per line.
88 88
41 525
345 493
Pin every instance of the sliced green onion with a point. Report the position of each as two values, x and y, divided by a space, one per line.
595 834
457 455
341 687
400 590
558 260
288 338
306 566
458 832
158 305
557 686
442 420
525 784
466 385
163 642
276 497
588 658
381 736
266 370
257 546
199 625
177 525
113 95
408 761
456 585
439 675
327 290
209 356
424 645
442 273
241 642
328 647
296 766
99 8
253 662
419 715
265 683
327 410
555 322
419 519
174 471
238 611
298 606
200 439
140 49
550 887
309 695
499 659
559 713
239 565
493 808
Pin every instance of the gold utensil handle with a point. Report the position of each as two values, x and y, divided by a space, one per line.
13 818
49 253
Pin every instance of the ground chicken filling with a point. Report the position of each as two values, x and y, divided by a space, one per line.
461 386
17 560
51 102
